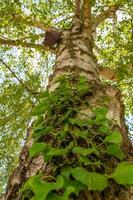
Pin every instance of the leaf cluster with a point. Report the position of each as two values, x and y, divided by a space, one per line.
80 150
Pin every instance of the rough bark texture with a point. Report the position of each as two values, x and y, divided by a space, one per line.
74 56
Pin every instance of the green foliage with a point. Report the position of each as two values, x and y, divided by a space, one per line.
37 148
123 173
115 150
66 172
114 137
48 151
40 109
85 151
51 152
65 196
42 188
113 40
33 67
86 161
101 116
92 180
78 149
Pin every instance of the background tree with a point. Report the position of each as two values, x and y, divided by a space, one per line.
26 64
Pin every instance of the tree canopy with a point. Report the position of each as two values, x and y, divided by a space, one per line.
26 63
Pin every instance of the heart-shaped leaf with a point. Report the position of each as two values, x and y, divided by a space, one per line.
114 137
115 150
37 148
123 173
94 181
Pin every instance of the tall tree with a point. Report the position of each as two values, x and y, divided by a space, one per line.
78 145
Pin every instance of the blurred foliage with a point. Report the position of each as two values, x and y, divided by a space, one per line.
114 43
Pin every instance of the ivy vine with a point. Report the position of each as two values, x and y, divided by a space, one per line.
79 149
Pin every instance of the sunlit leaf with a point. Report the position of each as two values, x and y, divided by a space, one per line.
37 148
94 181
114 137
123 173
115 150
85 151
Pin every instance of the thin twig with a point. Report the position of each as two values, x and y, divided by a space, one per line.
20 43
26 44
19 80
104 15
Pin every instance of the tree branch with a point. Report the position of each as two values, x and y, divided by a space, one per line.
19 80
25 44
20 43
104 15
107 73
28 20
31 21
87 15
77 8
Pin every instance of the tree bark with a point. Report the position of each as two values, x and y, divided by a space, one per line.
74 59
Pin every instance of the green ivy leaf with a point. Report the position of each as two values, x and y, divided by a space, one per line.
114 137
42 188
94 181
44 94
123 173
100 116
100 113
86 161
82 134
76 121
37 148
48 155
82 80
83 86
57 152
33 198
40 127
38 122
84 151
66 115
39 132
63 133
104 128
66 172
115 150
40 109
65 196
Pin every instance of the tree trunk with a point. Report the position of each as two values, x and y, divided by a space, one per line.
74 60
